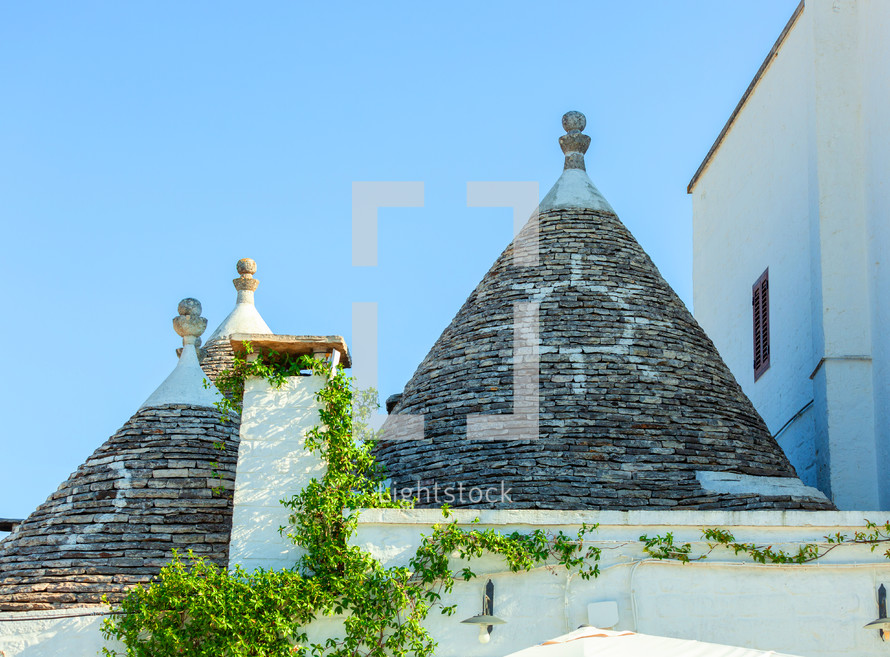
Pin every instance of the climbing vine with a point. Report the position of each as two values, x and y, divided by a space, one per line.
195 608
664 547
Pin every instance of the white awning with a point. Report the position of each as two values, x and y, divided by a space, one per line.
591 641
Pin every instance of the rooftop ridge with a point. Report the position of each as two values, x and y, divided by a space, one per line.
771 55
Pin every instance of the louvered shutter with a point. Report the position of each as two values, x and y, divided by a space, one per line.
760 313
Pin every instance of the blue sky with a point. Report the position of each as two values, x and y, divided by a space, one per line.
145 148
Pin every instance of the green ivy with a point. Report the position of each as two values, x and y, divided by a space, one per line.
197 608
663 547
194 608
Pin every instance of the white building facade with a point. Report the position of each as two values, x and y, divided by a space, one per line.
642 431
795 187
816 609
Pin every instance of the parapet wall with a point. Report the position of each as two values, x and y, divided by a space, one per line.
814 610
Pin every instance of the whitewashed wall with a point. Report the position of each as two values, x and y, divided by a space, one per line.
273 463
750 212
799 185
46 635
841 292
875 26
813 610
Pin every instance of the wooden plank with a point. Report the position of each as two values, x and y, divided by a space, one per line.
294 345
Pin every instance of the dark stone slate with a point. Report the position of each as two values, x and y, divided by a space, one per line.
634 398
116 520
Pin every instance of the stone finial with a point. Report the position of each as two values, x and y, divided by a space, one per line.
574 144
190 325
185 385
247 283
244 318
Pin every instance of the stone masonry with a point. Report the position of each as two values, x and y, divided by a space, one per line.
216 357
634 398
115 522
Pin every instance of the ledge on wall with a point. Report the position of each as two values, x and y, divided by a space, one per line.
643 518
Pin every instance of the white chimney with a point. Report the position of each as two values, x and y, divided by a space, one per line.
273 461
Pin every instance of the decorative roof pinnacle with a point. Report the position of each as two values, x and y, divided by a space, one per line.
247 268
185 384
190 325
244 318
574 143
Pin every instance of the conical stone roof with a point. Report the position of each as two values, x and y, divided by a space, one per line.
634 406
160 483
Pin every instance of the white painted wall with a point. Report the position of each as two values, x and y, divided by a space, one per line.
46 635
273 463
797 438
875 26
815 610
798 185
841 291
810 610
750 212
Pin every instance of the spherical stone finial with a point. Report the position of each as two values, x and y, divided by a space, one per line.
190 325
574 121
247 283
189 307
246 267
574 143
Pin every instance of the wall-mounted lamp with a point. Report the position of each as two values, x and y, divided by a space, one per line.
486 620
882 624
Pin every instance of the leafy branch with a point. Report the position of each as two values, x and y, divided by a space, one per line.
663 547
194 608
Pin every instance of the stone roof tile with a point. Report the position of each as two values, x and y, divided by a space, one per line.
632 397
149 489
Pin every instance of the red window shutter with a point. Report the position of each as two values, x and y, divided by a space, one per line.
760 312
